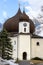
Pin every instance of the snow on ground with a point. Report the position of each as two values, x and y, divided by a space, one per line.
7 62
11 63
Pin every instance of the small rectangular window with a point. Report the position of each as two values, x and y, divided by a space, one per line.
37 43
24 29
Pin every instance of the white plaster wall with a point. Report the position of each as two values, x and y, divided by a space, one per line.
23 46
21 27
37 51
13 39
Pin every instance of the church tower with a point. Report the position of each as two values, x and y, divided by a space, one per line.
24 38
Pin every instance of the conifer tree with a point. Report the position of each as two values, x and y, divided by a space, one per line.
5 45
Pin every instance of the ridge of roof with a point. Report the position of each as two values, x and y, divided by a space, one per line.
36 36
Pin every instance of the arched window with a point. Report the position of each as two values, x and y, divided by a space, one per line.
24 55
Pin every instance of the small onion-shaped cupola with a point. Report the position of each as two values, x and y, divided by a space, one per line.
24 17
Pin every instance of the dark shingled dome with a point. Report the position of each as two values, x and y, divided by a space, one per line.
11 25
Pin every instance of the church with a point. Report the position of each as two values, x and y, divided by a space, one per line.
26 45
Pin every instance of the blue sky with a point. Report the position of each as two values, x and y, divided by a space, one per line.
8 8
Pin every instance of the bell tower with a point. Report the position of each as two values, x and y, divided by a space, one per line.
24 25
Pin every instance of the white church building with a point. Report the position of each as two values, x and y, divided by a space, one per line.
26 44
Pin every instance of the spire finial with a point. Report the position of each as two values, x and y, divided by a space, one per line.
19 4
23 9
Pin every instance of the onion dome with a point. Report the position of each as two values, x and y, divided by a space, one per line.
11 25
